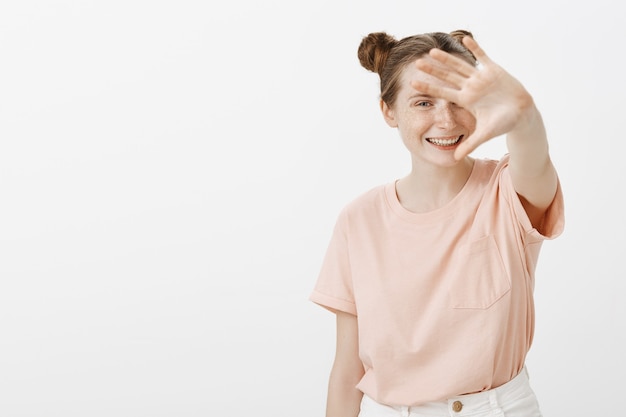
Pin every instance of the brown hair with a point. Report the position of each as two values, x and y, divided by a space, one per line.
383 54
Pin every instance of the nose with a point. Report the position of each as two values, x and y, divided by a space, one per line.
445 116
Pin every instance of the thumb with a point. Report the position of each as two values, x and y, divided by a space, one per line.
465 147
470 143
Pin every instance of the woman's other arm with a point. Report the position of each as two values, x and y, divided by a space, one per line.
344 399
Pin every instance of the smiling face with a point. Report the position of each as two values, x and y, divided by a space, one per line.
430 127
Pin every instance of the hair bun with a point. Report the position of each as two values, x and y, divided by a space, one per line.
374 49
460 34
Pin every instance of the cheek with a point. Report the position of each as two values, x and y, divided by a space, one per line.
414 126
415 119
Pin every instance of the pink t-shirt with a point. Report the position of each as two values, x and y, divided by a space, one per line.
444 299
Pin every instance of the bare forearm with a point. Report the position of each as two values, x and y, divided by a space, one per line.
532 171
528 143
344 400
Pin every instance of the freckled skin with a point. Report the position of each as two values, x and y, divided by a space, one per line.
418 116
491 103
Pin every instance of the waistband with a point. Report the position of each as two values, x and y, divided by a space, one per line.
467 404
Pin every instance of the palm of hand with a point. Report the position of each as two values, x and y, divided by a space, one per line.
495 98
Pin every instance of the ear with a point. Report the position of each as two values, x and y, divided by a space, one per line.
388 114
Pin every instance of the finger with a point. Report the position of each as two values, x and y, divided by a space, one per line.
459 65
474 48
463 150
446 93
442 74
472 142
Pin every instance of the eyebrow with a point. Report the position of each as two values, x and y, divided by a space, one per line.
421 95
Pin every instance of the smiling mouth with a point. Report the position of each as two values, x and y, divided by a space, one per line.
445 142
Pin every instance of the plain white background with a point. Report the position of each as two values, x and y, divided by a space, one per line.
170 172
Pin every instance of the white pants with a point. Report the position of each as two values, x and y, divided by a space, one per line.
513 399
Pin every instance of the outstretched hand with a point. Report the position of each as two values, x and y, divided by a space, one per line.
497 100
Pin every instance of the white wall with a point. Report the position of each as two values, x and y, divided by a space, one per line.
170 173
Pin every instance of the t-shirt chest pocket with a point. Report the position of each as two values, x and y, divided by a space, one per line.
480 279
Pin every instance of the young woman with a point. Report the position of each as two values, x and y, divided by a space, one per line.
431 276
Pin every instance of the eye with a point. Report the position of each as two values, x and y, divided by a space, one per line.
422 104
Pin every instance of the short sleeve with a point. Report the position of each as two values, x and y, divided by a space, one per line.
553 221
333 289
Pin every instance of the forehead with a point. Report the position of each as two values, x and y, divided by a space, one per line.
411 73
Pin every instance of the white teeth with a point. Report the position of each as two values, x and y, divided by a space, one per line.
444 142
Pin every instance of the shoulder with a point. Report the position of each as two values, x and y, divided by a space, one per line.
367 203
490 165
368 199
490 170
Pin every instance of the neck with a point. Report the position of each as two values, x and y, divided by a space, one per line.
429 187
